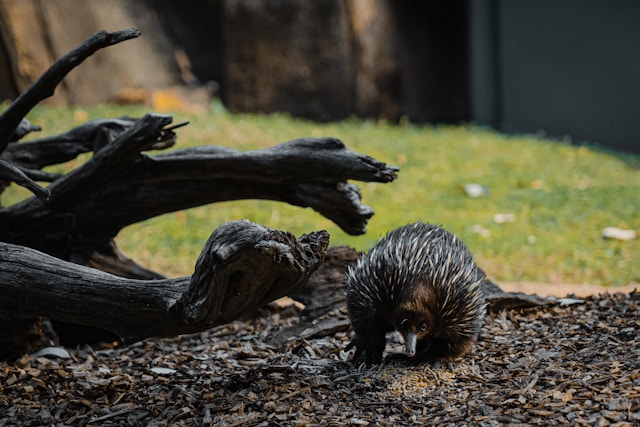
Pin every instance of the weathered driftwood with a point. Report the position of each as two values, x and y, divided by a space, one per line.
243 265
85 207
76 217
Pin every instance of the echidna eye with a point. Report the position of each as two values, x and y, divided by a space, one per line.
423 326
404 323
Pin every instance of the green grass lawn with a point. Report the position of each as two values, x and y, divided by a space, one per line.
560 196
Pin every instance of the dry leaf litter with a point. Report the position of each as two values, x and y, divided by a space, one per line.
577 365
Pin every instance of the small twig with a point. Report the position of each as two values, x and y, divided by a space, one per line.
394 403
176 126
14 174
166 139
115 414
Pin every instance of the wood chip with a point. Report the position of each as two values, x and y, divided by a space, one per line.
563 365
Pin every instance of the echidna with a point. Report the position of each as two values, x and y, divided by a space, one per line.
421 280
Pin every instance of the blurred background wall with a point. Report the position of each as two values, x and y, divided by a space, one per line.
567 68
34 33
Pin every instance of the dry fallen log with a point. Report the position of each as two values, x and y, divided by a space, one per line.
243 265
84 210
77 216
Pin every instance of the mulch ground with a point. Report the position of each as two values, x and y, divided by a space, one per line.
571 365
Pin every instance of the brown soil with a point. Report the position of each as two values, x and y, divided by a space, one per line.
564 289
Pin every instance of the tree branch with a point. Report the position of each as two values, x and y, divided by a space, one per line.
85 209
61 148
45 86
242 266
12 173
303 159
110 162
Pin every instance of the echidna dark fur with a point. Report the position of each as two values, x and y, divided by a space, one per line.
421 280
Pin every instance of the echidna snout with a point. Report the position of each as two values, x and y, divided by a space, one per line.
410 342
